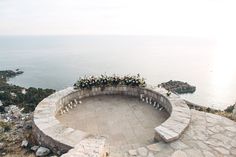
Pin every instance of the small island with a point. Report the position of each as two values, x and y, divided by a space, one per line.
178 87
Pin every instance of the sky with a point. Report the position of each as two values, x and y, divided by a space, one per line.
196 18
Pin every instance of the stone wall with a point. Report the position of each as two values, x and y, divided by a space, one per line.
51 133
152 96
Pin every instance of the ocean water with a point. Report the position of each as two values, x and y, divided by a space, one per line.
58 61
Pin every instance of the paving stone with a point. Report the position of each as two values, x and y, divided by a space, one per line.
233 151
154 147
214 142
202 145
178 145
231 128
216 129
227 122
193 152
224 139
233 143
222 150
150 154
208 153
142 151
133 152
179 153
166 152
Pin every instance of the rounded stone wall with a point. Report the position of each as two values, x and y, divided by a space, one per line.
59 138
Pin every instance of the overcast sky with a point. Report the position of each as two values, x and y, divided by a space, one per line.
199 18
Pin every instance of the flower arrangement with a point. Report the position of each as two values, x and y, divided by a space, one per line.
105 81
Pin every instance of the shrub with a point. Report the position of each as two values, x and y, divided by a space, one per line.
229 109
103 81
5 125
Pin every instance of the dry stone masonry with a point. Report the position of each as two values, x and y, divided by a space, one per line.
60 139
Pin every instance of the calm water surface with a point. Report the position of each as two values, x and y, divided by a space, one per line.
57 61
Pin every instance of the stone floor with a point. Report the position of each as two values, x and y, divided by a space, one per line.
126 122
128 125
208 135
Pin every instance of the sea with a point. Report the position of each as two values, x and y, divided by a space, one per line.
58 61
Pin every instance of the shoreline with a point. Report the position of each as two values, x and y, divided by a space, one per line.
25 98
179 87
16 111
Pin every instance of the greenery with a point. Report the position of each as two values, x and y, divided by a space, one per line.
104 81
27 98
229 109
5 125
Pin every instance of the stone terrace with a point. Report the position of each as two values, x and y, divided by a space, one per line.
59 138
187 132
208 135
125 121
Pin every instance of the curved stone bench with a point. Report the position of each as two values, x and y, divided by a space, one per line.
52 134
178 121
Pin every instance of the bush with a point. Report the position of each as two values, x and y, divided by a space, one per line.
5 125
103 81
229 109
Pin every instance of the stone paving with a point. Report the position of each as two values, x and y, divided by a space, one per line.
125 121
92 146
208 135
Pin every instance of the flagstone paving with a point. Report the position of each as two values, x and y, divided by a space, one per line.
125 121
198 134
208 135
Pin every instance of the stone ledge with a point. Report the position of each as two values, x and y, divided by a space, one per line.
178 121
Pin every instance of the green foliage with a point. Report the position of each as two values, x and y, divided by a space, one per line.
34 96
103 81
5 74
12 94
5 125
1 109
229 109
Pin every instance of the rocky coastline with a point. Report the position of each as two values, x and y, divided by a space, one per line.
25 98
16 109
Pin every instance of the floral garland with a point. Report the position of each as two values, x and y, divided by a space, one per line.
104 81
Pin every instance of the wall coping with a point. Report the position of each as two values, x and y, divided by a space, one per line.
51 133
